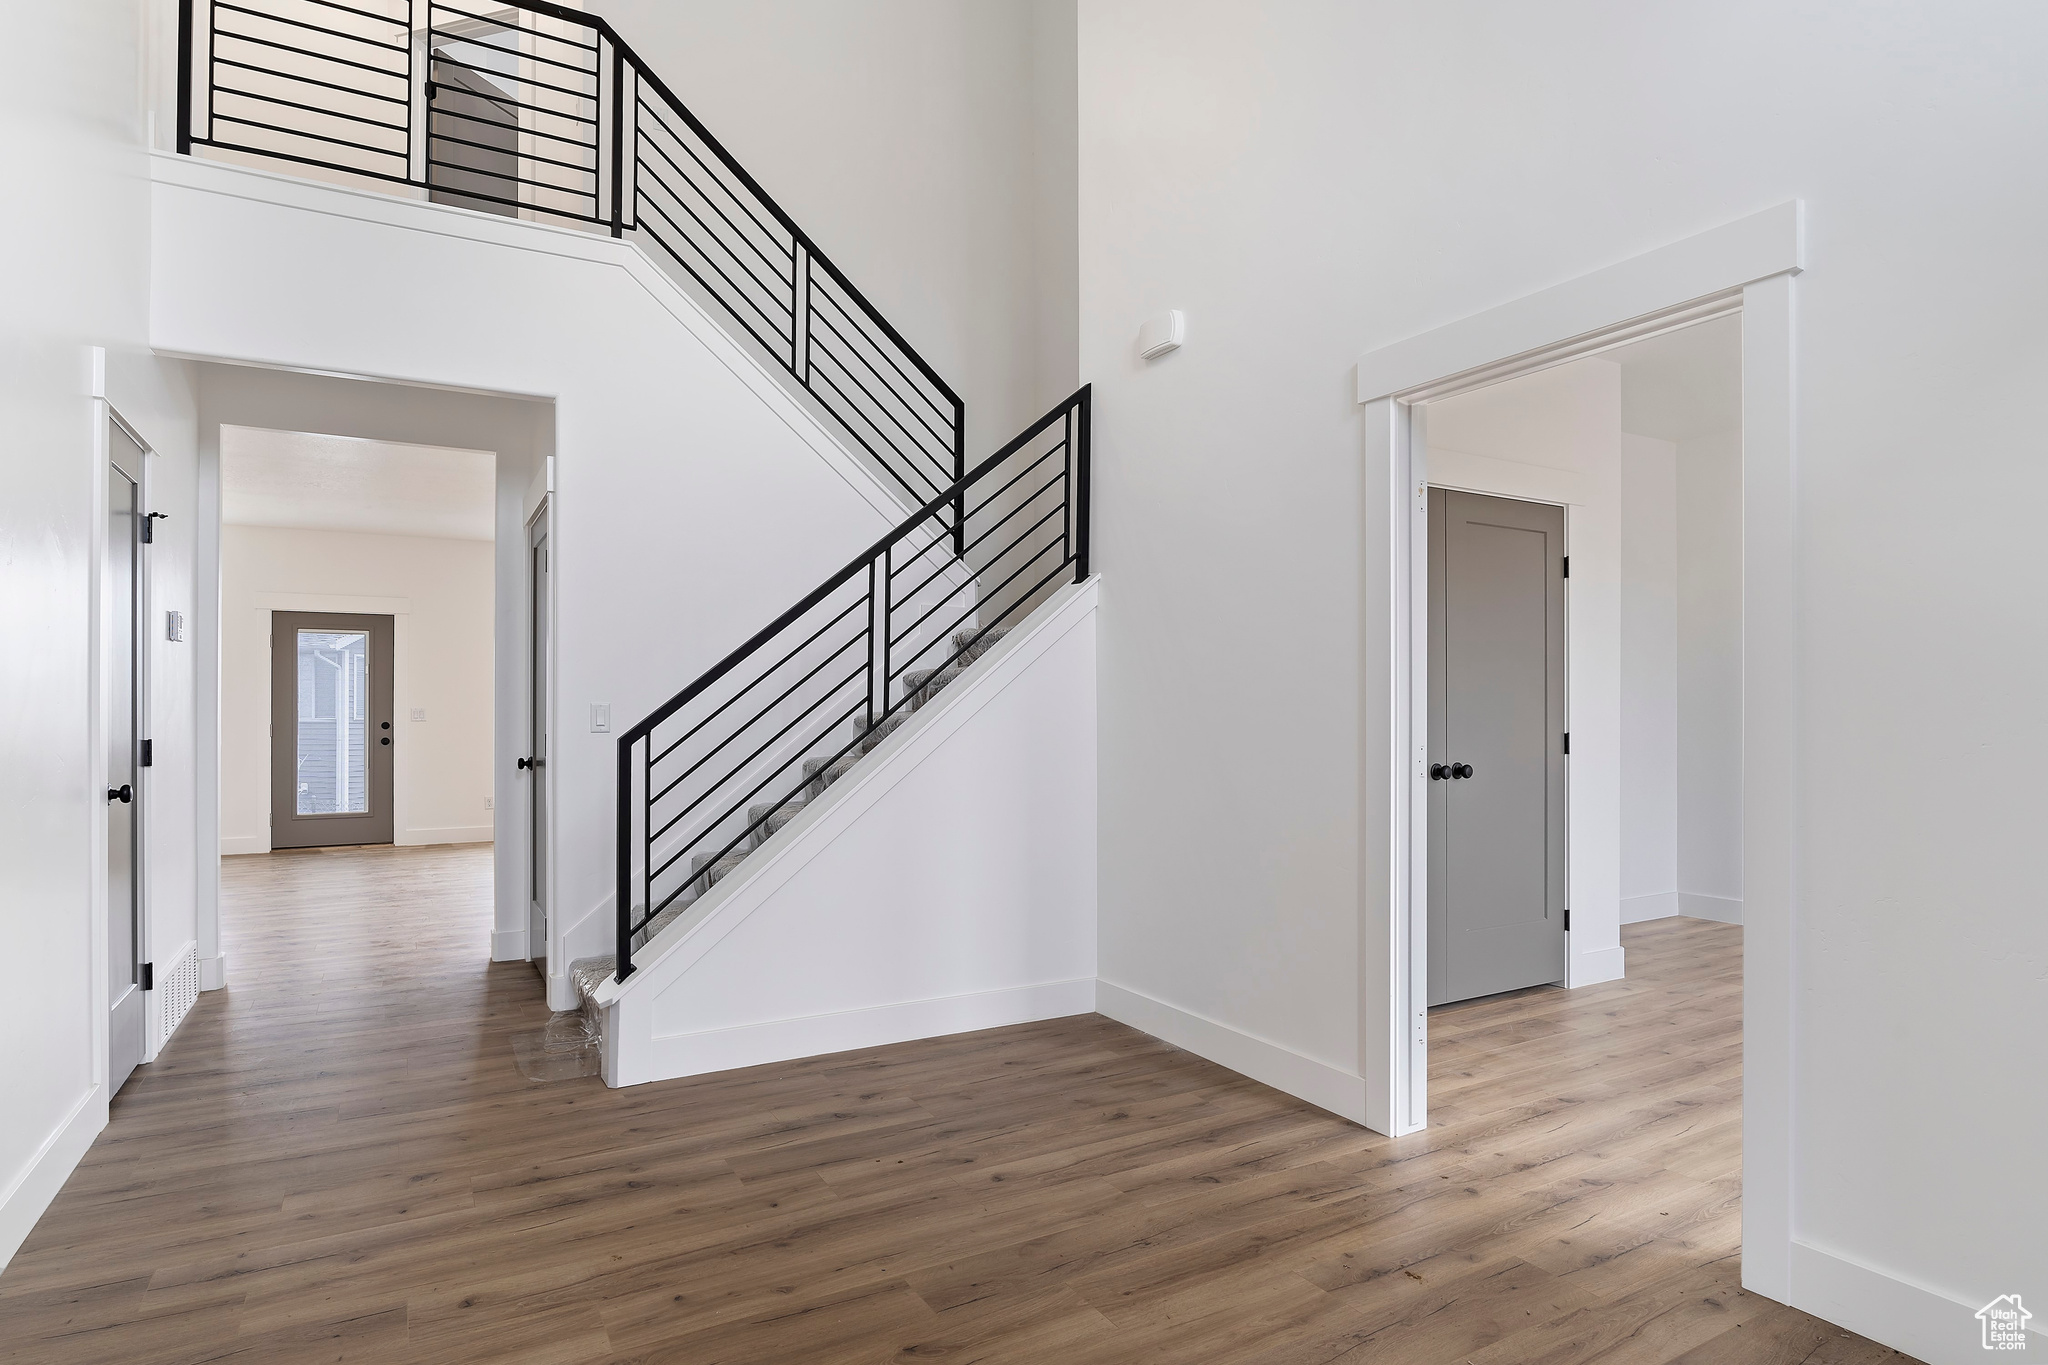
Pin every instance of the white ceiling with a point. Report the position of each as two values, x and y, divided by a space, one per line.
1682 384
340 483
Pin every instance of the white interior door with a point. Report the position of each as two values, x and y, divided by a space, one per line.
122 599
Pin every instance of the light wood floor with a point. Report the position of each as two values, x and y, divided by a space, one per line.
337 1159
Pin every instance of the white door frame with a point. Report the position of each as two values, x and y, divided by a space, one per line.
1748 267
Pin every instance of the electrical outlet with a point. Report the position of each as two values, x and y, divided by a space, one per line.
487 803
419 713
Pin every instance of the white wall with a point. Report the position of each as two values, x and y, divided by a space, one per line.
948 884
1649 677
70 116
442 662
1709 680
1316 179
927 146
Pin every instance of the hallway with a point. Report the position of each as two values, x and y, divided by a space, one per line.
338 1159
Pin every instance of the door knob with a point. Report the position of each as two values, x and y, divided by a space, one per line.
123 793
526 763
1461 770
385 740
1439 771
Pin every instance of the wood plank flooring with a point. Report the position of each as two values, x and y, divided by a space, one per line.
337 1159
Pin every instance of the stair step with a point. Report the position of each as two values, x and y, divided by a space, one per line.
717 872
972 648
872 740
820 773
771 817
922 684
588 973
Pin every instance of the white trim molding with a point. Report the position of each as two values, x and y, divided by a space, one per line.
25 1200
1270 1063
1937 1326
1744 267
1656 905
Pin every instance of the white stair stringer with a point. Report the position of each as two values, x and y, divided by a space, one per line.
945 882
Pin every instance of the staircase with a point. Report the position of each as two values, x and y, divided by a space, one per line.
531 111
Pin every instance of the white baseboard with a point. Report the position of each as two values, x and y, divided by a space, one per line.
1721 909
454 834
508 945
213 972
1657 905
47 1170
1936 1327
233 845
782 1040
1305 1078
1595 965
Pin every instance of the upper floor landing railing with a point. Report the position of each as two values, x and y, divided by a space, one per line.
531 110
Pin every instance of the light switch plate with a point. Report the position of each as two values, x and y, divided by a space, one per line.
600 717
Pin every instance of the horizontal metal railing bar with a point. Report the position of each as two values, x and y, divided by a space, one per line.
583 144
826 297
916 451
571 214
590 171
653 113
223 117
993 560
640 224
496 177
317 56
443 7
824 350
1054 482
1013 481
748 832
1001 616
393 20
402 101
818 373
759 678
773 773
381 44
240 93
903 565
788 252
717 148
440 57
762 714
944 438
860 563
748 295
786 282
198 141
896 673
865 444
904 634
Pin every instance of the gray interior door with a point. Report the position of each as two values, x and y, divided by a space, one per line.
330 729
473 129
537 740
123 599
1496 745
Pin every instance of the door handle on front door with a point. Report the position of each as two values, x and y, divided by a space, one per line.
1461 770
123 793
526 763
1439 771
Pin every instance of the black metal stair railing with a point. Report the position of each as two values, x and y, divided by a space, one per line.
712 772
526 109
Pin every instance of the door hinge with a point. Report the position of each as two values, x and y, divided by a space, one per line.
149 521
148 759
1567 566
1567 741
149 976
1567 919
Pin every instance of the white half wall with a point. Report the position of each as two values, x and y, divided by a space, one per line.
440 595
946 884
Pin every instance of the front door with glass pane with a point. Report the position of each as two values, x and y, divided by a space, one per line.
330 729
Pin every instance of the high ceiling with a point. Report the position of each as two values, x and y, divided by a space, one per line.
339 483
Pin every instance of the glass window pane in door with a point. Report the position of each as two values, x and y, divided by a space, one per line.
334 754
